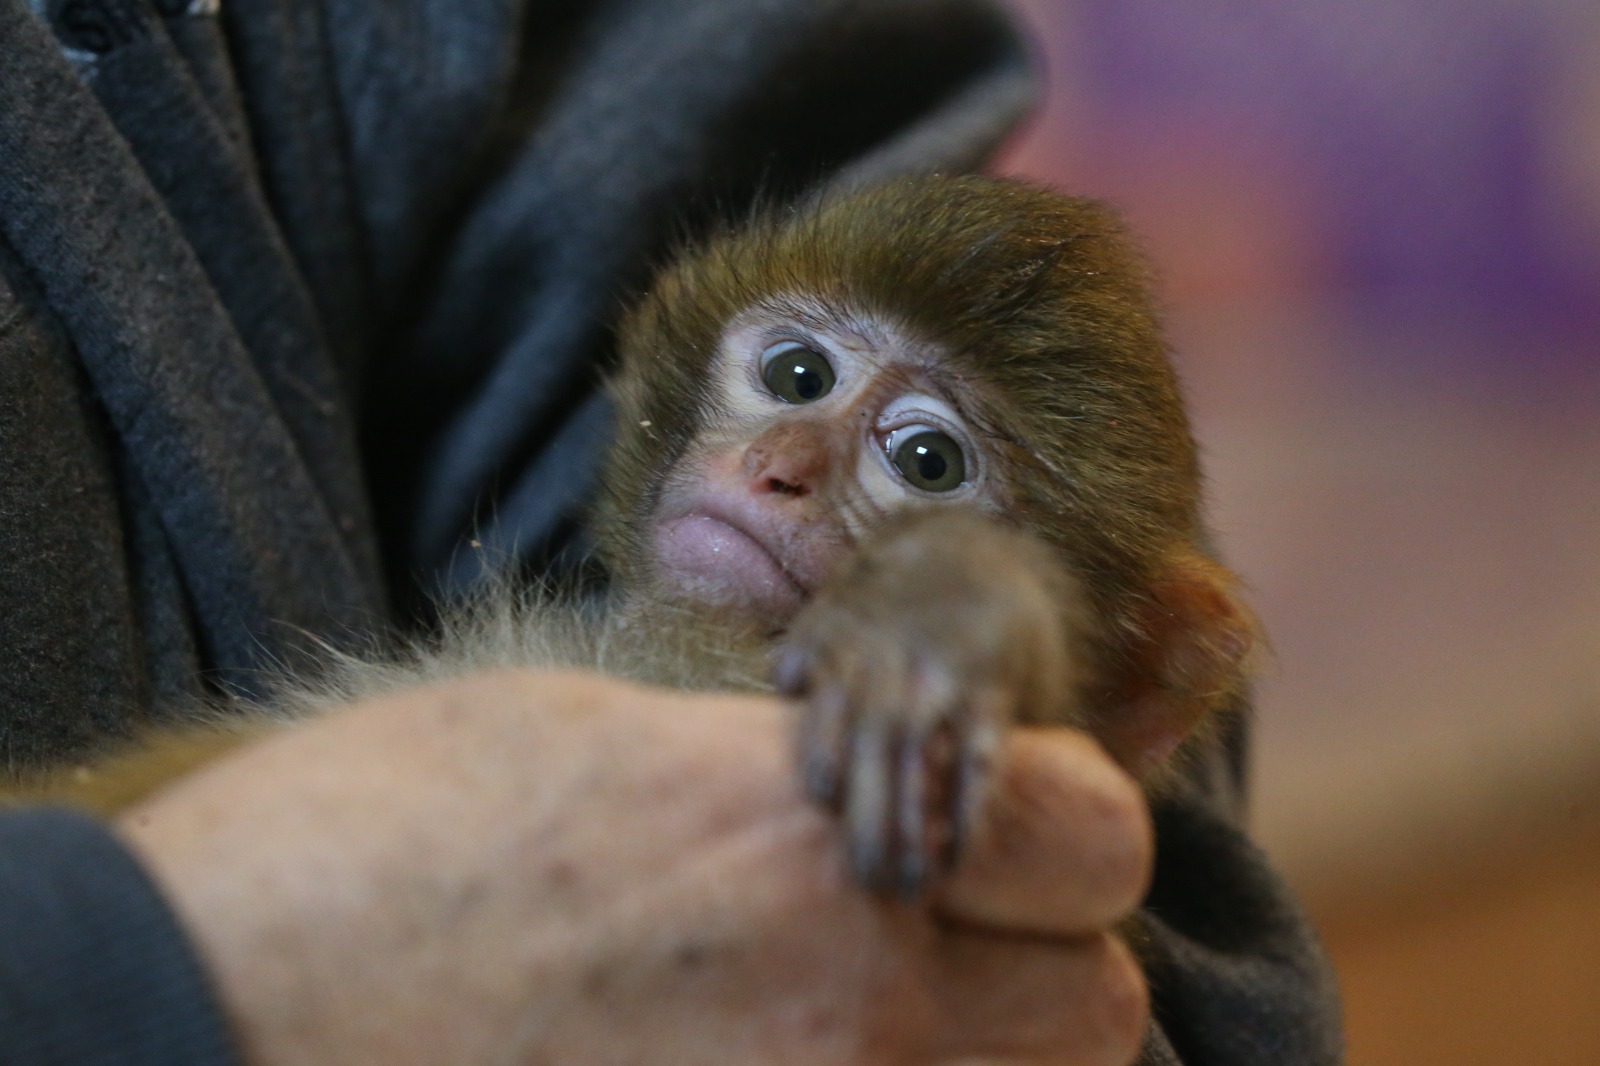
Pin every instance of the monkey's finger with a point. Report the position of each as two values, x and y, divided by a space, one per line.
975 743
868 803
824 734
927 786
912 827
792 669
1065 845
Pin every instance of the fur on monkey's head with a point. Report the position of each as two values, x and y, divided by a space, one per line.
1040 303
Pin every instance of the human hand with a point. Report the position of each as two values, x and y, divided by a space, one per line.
552 868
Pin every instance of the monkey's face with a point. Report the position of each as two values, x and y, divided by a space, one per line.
821 422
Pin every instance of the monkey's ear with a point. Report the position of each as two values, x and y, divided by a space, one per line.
1189 658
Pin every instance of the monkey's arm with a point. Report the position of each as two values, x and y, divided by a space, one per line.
943 629
949 626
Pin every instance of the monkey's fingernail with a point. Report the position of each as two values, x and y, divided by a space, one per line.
821 774
912 873
791 673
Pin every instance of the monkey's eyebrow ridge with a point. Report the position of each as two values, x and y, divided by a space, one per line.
827 317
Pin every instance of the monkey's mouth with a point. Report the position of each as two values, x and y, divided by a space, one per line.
714 561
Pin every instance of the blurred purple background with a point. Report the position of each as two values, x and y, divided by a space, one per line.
1377 224
1378 230
1430 167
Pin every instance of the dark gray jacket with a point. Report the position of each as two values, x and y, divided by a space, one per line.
295 294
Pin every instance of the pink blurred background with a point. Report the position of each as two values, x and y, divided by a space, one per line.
1378 228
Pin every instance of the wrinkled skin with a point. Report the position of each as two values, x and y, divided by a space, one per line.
615 874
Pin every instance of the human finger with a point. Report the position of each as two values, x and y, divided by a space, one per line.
1064 845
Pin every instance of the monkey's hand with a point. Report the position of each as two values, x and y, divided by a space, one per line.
944 629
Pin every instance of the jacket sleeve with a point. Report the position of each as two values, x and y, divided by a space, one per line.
1237 975
93 967
506 217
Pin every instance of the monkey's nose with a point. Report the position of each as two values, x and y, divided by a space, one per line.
785 464
780 487
779 475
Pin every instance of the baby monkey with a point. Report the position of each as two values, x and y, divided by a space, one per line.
924 441
927 436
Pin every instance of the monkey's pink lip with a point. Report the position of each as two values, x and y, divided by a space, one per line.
717 561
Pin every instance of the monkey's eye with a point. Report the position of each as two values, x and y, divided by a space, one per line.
795 373
928 458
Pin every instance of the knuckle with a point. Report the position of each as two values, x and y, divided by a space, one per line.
1126 845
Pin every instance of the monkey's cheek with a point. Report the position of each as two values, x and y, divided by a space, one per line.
708 561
